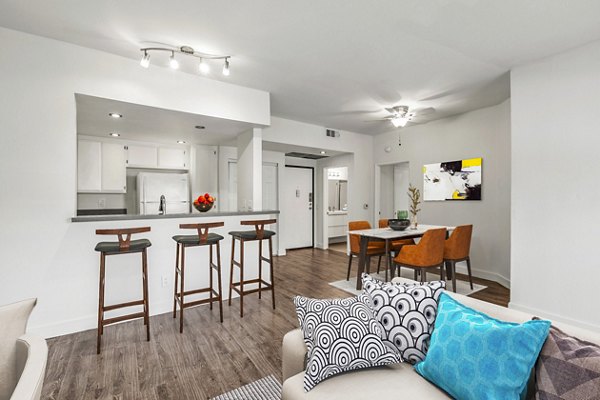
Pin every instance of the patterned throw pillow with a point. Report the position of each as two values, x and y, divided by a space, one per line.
473 356
567 369
340 335
406 312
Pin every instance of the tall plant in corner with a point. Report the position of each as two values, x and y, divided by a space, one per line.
414 195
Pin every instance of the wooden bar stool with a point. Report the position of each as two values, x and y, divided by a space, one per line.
123 246
203 238
258 234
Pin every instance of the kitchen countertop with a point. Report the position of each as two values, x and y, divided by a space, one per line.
129 217
338 212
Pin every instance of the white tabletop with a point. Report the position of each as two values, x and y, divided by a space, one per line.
389 233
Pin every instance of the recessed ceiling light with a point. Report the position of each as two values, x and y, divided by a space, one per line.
114 134
115 115
322 151
181 142
200 127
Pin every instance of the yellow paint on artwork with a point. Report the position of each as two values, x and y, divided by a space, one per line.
457 196
471 162
424 168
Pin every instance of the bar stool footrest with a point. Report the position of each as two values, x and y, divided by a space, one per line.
123 305
127 317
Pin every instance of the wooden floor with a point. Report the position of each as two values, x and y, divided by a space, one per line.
209 358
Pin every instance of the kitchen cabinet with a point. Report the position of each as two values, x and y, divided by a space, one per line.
172 158
100 167
160 157
114 174
89 161
142 156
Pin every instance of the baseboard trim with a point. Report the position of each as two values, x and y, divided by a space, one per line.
554 317
88 322
483 274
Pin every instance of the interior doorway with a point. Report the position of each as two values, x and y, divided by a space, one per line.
392 181
298 195
335 207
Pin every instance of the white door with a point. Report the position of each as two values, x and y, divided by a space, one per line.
297 203
269 189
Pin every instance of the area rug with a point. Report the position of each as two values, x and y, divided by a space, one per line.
267 388
462 287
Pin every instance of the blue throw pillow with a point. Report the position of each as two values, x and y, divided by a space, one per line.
473 356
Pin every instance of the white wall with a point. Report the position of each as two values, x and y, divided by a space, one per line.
204 165
555 190
481 133
38 146
249 171
359 162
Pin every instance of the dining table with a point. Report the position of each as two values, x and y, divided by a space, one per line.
387 235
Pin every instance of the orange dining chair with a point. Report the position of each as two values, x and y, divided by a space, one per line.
374 248
456 249
427 254
396 245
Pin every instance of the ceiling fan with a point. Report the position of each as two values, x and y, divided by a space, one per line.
401 115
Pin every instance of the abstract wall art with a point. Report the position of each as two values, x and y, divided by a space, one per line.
452 180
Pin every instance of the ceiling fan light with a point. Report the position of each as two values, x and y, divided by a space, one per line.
399 122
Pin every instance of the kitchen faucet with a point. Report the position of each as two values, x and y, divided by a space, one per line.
162 208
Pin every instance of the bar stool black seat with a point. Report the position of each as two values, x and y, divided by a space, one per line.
124 246
258 234
203 238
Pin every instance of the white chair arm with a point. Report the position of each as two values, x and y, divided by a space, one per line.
32 355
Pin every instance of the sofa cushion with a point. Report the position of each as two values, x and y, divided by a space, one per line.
340 335
473 356
568 368
13 320
407 313
397 381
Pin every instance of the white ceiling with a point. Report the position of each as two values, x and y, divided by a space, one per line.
335 63
150 124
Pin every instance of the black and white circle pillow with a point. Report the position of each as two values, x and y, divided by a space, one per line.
340 335
406 312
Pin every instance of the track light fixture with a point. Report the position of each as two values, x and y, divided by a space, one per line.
203 65
173 63
226 71
145 60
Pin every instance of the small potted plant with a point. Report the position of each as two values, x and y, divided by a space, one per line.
204 202
414 195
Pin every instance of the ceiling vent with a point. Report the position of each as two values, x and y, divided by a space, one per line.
332 133
305 155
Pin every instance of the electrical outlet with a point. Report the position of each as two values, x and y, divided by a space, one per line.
102 203
164 281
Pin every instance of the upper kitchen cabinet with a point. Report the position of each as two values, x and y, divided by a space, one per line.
142 156
172 158
149 156
100 167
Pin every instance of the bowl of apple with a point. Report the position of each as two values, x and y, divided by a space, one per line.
204 202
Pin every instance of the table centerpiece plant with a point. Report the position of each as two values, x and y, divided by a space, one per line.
414 196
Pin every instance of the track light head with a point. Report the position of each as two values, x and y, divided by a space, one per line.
145 62
203 66
226 71
173 63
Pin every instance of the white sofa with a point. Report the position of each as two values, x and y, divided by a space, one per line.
32 354
394 382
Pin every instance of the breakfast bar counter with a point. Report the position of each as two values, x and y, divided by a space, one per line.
129 217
